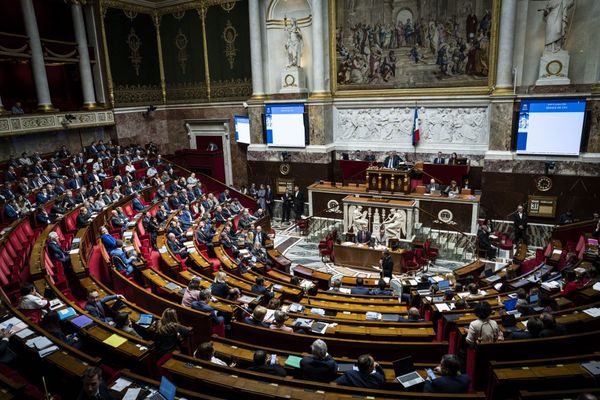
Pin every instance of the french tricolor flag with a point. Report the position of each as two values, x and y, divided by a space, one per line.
415 132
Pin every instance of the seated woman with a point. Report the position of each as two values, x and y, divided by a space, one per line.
279 322
51 323
168 333
220 288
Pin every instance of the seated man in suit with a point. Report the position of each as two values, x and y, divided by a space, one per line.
202 305
381 290
83 219
259 286
439 159
393 160
96 306
257 318
369 374
11 211
42 218
175 246
93 387
359 288
450 379
413 316
319 366
364 236
56 252
433 186
137 204
261 365
534 327
125 260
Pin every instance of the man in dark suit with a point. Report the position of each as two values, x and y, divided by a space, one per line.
93 387
137 204
56 252
11 212
83 219
42 218
96 306
175 246
451 380
202 305
439 159
320 366
381 290
298 202
364 236
534 328
269 197
369 375
359 288
387 264
520 225
10 175
261 365
413 316
286 206
393 160
259 236
258 317
433 185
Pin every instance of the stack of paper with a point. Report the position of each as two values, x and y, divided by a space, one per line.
318 311
371 315
295 307
441 307
593 312
48 350
39 342
120 384
115 340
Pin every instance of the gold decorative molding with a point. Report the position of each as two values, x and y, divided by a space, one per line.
160 9
181 42
232 89
186 92
137 94
24 123
134 43
229 35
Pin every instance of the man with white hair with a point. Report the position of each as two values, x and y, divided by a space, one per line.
319 366
56 252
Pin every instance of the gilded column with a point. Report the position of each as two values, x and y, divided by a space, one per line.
504 77
202 12
258 85
85 70
161 65
37 57
109 81
318 58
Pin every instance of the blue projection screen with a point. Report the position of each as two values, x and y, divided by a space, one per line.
284 125
550 127
242 129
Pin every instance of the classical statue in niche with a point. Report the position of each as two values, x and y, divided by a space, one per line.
359 219
294 43
556 17
395 224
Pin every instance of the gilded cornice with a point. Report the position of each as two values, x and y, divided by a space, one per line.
161 8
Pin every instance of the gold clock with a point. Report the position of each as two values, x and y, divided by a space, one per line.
543 183
284 169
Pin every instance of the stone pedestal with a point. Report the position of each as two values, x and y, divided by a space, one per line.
293 80
554 69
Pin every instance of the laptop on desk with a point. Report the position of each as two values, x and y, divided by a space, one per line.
510 305
166 391
404 370
443 285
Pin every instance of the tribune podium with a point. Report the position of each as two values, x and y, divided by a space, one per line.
388 180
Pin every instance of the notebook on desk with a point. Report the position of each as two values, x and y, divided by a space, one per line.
593 367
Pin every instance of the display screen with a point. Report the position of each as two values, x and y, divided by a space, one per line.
284 125
242 129
550 127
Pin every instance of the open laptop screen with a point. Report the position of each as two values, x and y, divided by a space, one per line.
167 389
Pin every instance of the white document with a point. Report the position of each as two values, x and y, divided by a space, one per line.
132 394
120 384
24 333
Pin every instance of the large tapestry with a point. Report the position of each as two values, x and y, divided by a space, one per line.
412 44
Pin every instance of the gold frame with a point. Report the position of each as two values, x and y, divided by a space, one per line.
432 91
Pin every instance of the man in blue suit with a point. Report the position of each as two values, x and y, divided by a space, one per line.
369 375
202 305
126 261
136 203
56 252
359 288
96 306
11 213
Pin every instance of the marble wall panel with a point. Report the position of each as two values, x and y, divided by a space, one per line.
501 114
